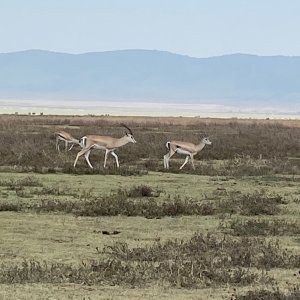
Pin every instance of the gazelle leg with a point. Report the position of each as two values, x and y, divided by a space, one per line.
56 145
86 155
192 161
186 160
66 146
167 158
165 161
116 157
80 153
105 158
71 147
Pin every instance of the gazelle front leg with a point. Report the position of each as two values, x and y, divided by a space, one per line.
105 158
81 152
166 161
186 160
116 157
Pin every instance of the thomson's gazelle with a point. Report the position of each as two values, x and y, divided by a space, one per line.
67 138
184 148
107 143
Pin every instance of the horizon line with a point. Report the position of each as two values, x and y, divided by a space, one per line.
147 50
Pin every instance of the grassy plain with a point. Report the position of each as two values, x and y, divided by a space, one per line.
228 228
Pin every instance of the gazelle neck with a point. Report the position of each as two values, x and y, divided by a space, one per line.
200 146
122 141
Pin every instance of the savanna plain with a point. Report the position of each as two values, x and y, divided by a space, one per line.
230 229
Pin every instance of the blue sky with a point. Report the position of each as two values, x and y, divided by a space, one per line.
199 28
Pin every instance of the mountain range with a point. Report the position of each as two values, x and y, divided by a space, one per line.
151 76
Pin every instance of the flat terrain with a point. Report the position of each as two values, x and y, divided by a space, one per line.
139 232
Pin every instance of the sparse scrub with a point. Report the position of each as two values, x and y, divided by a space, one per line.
18 184
4 206
212 251
272 294
202 261
120 204
255 227
56 191
240 142
258 203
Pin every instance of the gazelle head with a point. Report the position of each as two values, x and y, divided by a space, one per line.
206 141
129 134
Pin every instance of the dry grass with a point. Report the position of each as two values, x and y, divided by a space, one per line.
239 210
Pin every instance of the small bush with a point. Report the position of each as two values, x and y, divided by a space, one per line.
258 203
142 191
119 204
274 294
261 227
10 207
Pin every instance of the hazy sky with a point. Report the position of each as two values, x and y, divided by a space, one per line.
197 28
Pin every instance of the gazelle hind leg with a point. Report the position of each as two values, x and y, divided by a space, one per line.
167 158
71 147
192 161
165 164
86 156
186 160
116 157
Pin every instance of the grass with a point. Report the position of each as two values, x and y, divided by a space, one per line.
67 239
228 230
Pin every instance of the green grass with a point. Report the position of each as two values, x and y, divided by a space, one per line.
59 237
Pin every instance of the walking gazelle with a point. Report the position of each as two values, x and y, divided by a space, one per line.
107 143
184 148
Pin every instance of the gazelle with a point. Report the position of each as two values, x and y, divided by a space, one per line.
107 143
188 149
67 138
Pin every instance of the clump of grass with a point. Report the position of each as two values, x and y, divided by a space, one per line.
258 203
20 183
120 204
10 206
254 227
54 206
265 294
215 252
142 191
56 191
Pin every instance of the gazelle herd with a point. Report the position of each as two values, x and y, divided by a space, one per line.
110 144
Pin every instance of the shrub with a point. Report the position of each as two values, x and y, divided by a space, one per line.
274 294
258 203
261 227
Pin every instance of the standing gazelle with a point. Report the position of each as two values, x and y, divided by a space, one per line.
184 148
67 138
107 143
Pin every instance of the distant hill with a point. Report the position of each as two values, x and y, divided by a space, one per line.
146 75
